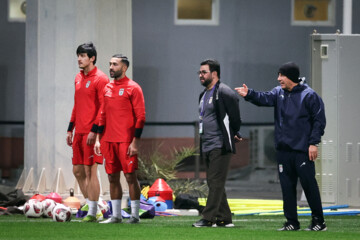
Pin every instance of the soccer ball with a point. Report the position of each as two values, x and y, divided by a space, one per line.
103 206
61 213
33 208
48 207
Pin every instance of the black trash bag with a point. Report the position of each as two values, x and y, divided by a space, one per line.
13 198
186 201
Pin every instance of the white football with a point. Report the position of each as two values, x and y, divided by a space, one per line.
103 206
33 208
61 213
48 207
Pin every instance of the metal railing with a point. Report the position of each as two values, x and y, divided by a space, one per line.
194 124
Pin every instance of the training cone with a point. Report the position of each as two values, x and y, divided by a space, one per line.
160 206
39 197
161 189
54 196
72 202
152 200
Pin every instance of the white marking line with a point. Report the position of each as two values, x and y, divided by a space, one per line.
234 220
33 220
255 220
175 220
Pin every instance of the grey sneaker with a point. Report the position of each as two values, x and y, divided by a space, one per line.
203 223
112 220
133 220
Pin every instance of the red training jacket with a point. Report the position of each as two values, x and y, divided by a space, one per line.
87 101
123 111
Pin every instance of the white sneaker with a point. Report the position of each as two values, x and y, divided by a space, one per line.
112 220
223 224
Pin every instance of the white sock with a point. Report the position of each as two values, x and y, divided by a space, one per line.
99 202
116 208
92 208
87 201
135 206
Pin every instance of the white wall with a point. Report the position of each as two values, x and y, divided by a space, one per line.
54 29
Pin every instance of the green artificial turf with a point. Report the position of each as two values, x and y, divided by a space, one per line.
246 227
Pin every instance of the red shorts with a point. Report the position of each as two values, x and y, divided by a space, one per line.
117 159
83 154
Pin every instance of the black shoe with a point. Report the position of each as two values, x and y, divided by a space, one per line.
289 227
223 224
316 226
202 223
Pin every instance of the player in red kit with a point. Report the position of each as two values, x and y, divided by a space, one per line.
89 85
121 124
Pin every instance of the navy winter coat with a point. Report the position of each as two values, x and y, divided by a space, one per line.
299 115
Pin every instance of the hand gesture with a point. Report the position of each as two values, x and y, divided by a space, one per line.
242 91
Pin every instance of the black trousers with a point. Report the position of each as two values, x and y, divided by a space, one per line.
217 165
291 166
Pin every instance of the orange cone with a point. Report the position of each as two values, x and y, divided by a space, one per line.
72 202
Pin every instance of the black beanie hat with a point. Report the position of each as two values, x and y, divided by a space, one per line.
291 71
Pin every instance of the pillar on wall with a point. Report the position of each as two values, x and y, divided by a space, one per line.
54 29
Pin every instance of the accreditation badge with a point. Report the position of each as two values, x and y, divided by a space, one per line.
201 127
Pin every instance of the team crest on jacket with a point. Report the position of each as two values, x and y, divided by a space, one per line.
121 91
281 169
88 84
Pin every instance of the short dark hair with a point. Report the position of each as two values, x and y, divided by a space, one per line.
214 65
123 58
87 48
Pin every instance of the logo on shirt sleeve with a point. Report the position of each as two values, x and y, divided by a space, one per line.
88 84
121 91
108 93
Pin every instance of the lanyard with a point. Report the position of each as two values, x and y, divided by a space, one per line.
204 101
